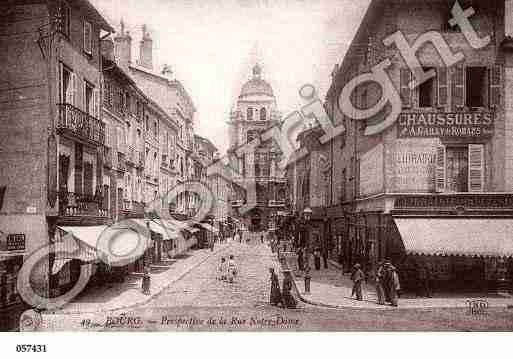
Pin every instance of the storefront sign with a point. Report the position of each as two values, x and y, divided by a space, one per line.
371 171
413 165
451 201
16 242
446 124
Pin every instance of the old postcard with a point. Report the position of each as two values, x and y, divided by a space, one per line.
255 165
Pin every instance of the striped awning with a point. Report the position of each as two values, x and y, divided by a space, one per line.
491 237
157 226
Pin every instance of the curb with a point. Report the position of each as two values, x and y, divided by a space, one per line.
378 308
149 298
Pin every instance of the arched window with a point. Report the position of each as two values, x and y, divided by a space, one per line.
263 114
249 115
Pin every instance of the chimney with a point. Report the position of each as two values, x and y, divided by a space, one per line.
145 50
107 49
123 47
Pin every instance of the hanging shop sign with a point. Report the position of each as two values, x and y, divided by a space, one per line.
446 124
16 242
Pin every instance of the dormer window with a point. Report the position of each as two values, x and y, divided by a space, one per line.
88 38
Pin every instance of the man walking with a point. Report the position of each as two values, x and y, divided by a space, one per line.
357 277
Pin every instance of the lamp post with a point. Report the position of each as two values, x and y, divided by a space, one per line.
307 214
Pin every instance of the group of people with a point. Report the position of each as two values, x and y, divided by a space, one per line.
227 270
282 297
388 286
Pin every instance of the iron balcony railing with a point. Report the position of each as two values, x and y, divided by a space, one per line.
77 205
80 123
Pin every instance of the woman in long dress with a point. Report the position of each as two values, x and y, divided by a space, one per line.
288 300
275 297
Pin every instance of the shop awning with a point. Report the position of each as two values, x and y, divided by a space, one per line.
491 237
158 227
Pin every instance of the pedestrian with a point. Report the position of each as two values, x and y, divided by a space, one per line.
391 283
325 257
275 297
317 258
300 261
262 238
424 280
379 284
232 269
288 299
222 269
212 241
357 277
146 282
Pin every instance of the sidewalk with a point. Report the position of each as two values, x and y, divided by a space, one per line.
330 288
115 296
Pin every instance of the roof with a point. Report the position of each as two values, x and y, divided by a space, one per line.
256 86
488 237
93 13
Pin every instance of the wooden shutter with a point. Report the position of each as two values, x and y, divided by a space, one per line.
405 91
88 37
476 168
440 169
458 87
96 103
114 144
60 91
494 76
71 93
442 83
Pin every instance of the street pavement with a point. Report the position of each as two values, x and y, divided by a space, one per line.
331 288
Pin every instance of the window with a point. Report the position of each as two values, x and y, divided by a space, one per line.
249 116
127 102
460 168
263 114
155 130
426 91
64 18
88 98
343 184
147 125
88 38
66 95
476 86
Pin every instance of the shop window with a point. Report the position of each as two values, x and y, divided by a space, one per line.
8 277
460 168
427 91
476 85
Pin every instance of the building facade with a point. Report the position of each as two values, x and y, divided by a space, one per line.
434 188
256 110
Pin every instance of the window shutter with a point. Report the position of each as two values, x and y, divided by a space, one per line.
96 103
442 91
495 86
406 92
458 87
76 91
88 36
440 169
60 90
72 89
476 168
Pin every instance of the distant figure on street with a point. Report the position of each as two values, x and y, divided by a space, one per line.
288 299
275 297
391 283
357 277
146 281
222 269
317 258
380 291
232 269
424 280
300 259
262 238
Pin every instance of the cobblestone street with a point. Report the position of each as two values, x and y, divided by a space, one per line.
202 288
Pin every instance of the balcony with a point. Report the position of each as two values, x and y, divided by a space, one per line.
237 203
80 124
277 203
80 205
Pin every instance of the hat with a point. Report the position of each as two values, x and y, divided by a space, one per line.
357 266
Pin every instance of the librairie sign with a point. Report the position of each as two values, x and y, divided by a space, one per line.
16 242
446 124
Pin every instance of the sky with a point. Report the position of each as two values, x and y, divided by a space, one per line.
212 45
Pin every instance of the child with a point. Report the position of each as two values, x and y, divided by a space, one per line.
222 269
232 269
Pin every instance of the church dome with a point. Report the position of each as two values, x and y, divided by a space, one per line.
256 86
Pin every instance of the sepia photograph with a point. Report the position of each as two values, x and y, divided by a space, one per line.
270 166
